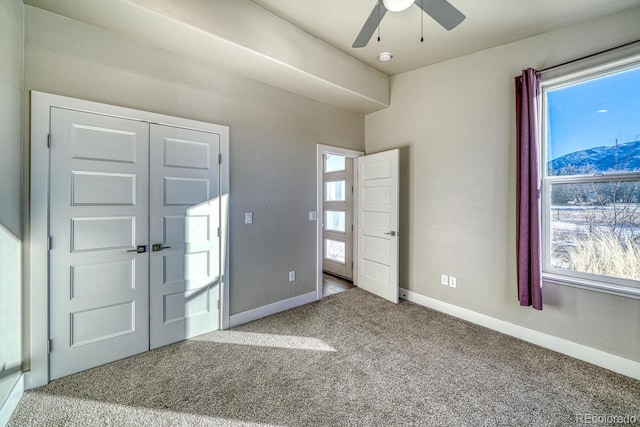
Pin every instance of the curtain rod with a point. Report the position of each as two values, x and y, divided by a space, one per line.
587 56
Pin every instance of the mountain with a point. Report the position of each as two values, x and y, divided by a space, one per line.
623 157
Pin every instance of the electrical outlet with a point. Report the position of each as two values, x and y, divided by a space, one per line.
444 280
292 276
453 282
313 215
248 217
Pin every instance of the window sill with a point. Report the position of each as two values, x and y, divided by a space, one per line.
591 285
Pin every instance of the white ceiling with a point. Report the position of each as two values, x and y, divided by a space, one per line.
304 46
489 23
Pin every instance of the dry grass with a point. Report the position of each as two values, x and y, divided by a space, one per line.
606 254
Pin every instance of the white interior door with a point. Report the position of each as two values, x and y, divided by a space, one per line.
98 295
185 242
378 233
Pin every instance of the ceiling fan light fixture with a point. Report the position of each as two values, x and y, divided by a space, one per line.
397 5
385 56
441 10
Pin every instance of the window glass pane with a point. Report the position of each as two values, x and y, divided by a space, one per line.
334 251
334 163
334 191
595 228
336 221
594 126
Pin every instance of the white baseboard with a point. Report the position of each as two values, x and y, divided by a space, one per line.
10 404
266 310
600 358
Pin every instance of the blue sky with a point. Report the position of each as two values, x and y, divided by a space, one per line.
594 113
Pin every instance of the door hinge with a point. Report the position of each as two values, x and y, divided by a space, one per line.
352 188
49 140
219 159
352 265
49 346
218 231
351 227
218 304
49 244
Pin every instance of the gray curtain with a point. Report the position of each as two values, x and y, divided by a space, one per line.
528 190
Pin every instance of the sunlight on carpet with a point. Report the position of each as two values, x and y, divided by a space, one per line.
96 412
265 340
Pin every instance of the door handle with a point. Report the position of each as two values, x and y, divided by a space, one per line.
391 233
139 249
156 247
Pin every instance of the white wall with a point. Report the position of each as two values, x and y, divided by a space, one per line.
11 60
455 123
273 137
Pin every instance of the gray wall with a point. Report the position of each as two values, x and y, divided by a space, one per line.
11 48
455 122
273 137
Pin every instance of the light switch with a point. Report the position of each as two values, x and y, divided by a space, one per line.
248 217
313 215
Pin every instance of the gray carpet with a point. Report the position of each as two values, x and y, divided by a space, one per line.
349 359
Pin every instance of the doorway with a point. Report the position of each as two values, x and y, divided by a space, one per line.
374 218
337 198
338 220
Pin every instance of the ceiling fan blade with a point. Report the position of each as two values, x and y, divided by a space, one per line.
442 11
370 25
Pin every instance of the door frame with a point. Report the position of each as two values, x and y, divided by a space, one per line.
35 254
352 154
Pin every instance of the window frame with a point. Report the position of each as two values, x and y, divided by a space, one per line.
611 62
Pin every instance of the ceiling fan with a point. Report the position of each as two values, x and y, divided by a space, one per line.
440 10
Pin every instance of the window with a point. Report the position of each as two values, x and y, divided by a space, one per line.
336 221
334 251
334 191
591 179
334 163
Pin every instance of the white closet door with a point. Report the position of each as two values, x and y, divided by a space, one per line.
98 216
185 216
